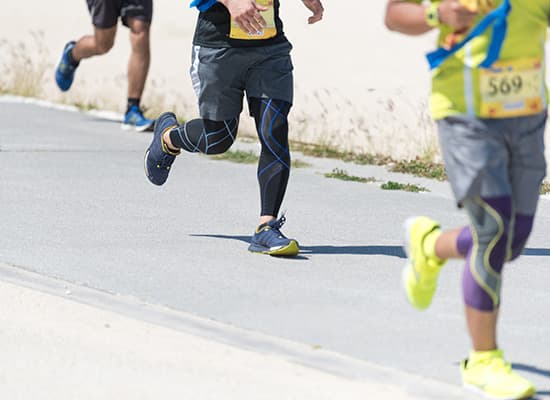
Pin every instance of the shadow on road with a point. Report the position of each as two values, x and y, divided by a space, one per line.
245 239
532 369
536 252
394 251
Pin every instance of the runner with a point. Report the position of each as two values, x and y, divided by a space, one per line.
239 46
491 124
136 15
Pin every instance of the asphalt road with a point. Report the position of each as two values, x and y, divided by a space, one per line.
76 207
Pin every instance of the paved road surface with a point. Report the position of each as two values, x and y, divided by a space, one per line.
76 208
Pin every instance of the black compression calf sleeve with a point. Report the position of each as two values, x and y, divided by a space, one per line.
205 136
274 165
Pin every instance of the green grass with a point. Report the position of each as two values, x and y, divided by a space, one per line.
545 187
249 157
300 164
407 187
326 151
343 175
86 106
421 168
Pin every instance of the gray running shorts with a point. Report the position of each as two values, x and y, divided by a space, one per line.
105 13
495 157
221 76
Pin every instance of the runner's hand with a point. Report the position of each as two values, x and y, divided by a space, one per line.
316 8
455 15
247 14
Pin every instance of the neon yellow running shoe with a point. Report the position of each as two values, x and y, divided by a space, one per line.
487 372
422 269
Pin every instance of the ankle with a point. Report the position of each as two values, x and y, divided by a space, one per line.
71 58
265 220
132 102
167 143
429 245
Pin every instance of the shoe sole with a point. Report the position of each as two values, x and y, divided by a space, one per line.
407 227
409 269
145 168
290 250
128 127
477 390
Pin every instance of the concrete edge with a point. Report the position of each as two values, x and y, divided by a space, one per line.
320 359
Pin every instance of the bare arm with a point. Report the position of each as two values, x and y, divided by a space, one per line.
410 18
407 18
316 8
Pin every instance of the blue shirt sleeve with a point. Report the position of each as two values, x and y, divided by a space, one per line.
203 5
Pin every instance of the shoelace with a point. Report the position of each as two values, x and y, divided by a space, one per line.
275 226
166 161
500 364
279 223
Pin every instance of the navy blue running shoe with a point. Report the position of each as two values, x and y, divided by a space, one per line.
158 158
134 119
64 74
268 239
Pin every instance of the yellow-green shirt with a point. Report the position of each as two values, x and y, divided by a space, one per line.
456 83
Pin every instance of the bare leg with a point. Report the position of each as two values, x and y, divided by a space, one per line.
93 45
445 245
482 326
138 64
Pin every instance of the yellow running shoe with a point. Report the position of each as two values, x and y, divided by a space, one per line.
422 269
487 372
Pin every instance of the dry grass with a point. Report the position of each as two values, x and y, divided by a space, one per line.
23 67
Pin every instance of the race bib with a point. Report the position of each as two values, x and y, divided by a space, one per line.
269 31
512 89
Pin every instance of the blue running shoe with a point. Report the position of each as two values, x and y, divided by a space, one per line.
268 239
64 74
158 158
134 119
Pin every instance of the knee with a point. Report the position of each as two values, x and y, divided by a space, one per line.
103 46
490 230
219 136
139 35
140 41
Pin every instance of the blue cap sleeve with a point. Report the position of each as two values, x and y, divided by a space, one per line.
203 5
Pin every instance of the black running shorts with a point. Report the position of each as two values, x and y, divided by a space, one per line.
105 13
